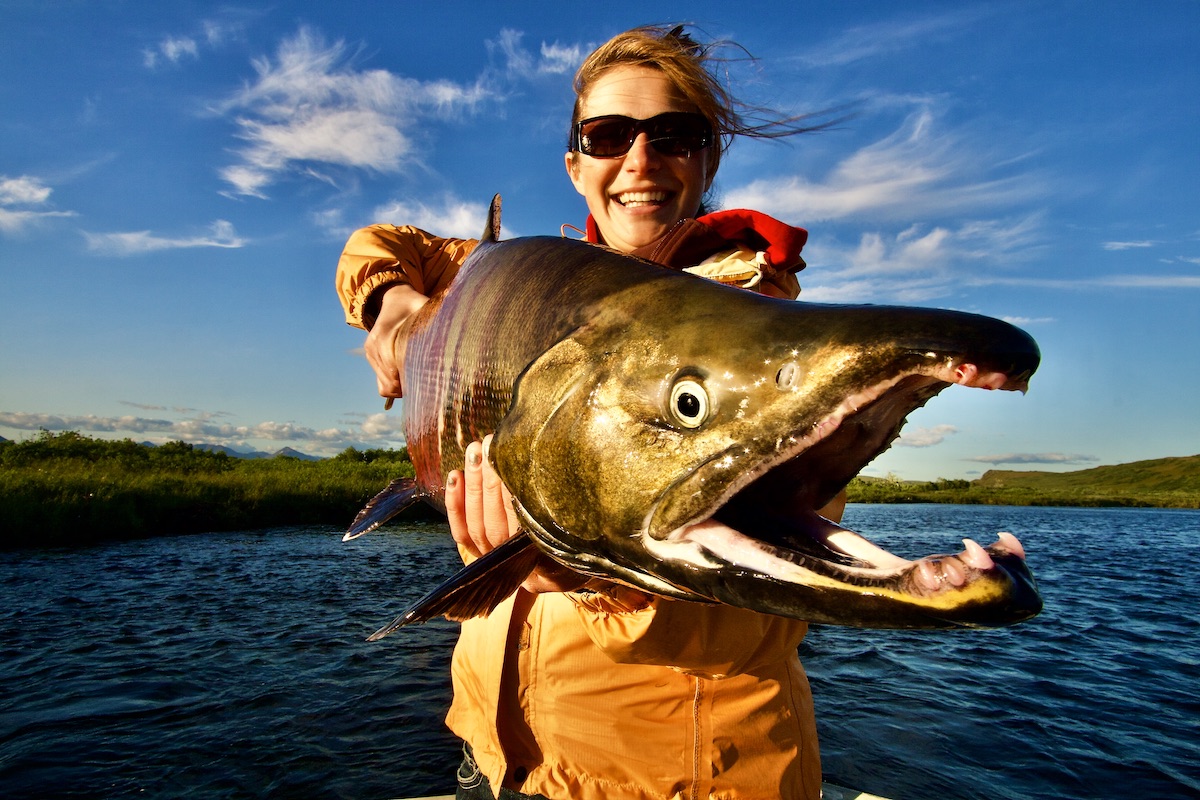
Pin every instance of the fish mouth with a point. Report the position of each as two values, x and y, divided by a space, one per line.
764 529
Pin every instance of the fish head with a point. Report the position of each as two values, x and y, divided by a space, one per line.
683 437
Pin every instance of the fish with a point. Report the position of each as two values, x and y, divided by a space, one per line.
679 436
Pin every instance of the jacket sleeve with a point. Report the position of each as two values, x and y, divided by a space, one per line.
381 255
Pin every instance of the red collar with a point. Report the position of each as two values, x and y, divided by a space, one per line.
690 241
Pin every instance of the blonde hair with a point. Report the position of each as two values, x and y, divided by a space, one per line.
686 64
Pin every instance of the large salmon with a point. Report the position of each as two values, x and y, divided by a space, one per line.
677 435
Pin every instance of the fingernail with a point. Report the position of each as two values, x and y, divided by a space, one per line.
474 458
452 481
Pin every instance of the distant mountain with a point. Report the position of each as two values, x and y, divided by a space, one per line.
286 452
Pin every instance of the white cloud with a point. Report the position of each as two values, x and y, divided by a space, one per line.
917 264
1126 245
1035 458
449 217
916 171
24 191
552 59
376 430
308 105
221 234
871 41
173 49
925 437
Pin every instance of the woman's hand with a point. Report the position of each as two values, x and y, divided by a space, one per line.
384 346
482 516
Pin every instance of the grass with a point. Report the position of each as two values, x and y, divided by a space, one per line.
60 489
69 489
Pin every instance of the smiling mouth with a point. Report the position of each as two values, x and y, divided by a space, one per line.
643 199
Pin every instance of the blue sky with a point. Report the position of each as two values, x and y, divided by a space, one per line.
177 181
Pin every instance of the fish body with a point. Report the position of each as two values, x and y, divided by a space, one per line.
677 435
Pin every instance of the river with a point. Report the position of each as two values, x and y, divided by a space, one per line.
233 665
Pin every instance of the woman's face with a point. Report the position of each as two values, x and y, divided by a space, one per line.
636 198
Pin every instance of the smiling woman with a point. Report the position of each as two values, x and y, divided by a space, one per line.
605 691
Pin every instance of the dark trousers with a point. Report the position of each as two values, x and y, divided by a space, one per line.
473 784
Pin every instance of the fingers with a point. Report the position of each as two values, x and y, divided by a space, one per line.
385 343
456 512
499 516
380 350
478 505
481 514
473 498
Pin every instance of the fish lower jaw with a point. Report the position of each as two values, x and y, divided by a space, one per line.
713 545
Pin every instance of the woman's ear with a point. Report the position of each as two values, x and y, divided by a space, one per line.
571 161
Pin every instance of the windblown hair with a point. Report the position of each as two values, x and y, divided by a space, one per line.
688 65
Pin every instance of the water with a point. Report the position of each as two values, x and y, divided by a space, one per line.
233 665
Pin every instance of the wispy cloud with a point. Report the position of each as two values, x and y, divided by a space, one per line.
310 105
221 234
23 202
551 59
172 49
920 263
863 42
1126 245
925 437
917 171
1122 281
1035 458
311 108
449 216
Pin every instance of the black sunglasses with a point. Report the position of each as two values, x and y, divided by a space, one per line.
675 133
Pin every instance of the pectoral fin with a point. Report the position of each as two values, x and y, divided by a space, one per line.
475 589
399 495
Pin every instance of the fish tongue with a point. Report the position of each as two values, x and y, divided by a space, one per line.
853 545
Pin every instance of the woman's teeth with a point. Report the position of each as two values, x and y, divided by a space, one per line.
638 199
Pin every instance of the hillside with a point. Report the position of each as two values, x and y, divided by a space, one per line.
1163 483
1159 475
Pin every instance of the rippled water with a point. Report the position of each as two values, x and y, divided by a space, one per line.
233 665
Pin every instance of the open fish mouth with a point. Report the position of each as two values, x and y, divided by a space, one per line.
764 532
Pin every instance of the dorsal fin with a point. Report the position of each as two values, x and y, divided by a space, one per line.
491 233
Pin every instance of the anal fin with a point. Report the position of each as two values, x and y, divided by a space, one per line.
399 495
475 589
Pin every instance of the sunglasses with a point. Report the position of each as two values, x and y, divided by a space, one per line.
675 133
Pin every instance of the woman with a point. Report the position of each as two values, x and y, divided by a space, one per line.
606 692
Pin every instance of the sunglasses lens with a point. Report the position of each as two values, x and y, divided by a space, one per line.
607 137
678 134
673 134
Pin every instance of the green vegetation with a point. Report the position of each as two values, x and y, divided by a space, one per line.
70 489
58 489
1161 483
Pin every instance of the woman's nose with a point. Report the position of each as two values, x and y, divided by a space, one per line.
642 155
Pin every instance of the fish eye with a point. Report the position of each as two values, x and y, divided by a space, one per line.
689 403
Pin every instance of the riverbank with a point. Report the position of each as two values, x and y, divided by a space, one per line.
69 489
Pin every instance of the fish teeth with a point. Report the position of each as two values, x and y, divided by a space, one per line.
976 556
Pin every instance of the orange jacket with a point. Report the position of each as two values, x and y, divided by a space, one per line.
380 255
596 696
